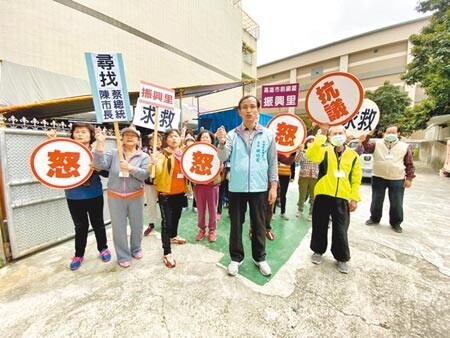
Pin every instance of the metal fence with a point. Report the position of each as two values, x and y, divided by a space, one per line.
36 216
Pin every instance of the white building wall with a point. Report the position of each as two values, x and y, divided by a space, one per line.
202 39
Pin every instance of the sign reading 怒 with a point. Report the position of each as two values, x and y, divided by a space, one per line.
150 97
366 120
61 163
280 95
290 131
200 163
108 86
334 99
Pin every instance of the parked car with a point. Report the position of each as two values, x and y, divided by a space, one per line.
366 160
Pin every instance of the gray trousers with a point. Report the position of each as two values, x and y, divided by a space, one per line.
122 211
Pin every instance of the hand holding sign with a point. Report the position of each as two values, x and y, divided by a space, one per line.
221 135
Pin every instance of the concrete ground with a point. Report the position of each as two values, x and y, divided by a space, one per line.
398 286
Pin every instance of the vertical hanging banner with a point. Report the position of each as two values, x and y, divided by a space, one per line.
108 86
334 99
153 98
280 95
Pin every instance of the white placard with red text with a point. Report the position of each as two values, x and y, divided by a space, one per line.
200 163
290 132
61 163
144 116
334 99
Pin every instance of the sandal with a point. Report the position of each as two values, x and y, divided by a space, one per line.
169 261
178 240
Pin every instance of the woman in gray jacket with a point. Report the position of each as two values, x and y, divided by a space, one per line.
125 191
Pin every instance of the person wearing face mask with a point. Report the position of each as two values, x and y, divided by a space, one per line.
336 193
393 169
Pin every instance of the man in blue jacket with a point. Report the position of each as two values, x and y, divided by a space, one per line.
251 150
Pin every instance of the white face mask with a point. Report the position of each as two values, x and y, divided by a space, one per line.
390 138
337 140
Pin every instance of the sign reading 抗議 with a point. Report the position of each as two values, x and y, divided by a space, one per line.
334 99
108 86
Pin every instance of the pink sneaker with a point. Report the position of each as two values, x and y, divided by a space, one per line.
125 264
138 255
212 236
200 235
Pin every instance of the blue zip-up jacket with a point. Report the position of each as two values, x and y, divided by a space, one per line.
253 165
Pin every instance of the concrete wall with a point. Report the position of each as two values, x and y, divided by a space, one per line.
170 43
433 153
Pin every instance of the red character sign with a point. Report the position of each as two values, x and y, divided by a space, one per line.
334 99
200 163
61 163
290 131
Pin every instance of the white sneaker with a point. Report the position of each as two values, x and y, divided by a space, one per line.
283 216
264 268
342 267
309 218
233 268
316 258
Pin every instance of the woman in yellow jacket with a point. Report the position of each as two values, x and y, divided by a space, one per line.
171 186
336 194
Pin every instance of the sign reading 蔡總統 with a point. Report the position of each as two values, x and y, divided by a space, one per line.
280 95
108 86
150 97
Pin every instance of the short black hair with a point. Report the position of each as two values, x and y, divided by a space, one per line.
258 103
211 135
89 126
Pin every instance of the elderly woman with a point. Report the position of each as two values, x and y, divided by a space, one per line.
125 191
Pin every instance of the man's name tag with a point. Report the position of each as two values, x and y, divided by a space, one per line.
180 175
339 174
389 157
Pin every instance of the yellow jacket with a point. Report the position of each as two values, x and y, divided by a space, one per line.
346 187
164 171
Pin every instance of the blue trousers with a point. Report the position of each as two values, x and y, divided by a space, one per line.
395 193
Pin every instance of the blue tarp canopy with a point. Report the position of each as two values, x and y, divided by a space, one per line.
230 119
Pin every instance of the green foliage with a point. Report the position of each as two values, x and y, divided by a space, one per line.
392 102
415 118
430 67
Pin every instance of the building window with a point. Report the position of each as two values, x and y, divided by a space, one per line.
316 72
247 54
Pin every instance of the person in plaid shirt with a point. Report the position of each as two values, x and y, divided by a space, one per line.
307 178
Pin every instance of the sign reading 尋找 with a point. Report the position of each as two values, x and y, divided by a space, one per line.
200 163
334 99
150 97
279 95
61 163
366 120
108 86
290 131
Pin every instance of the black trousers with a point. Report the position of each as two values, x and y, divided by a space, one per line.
257 202
170 206
83 211
324 207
